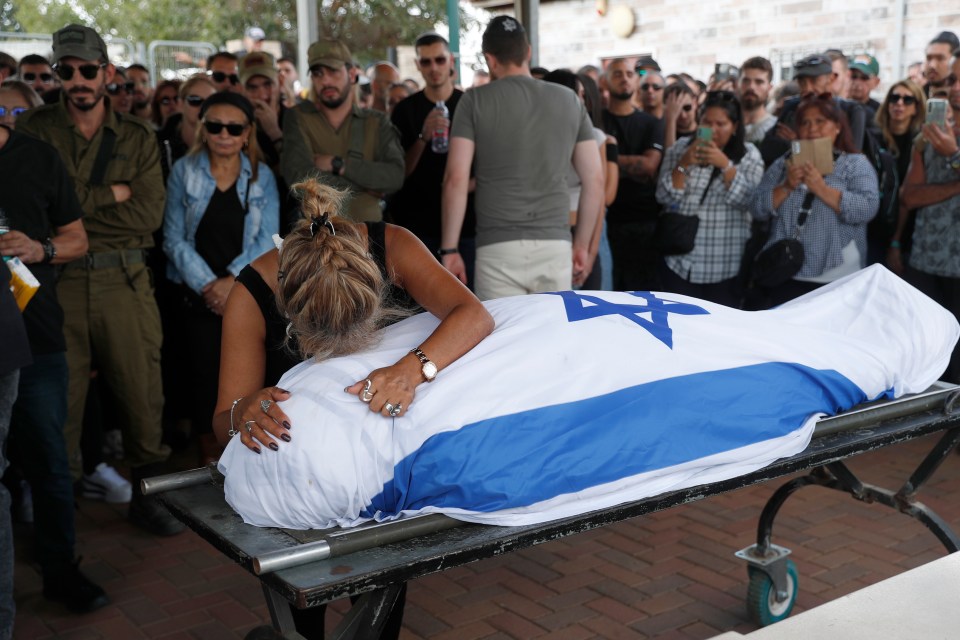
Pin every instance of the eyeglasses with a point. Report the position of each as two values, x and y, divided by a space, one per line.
32 77
194 101
439 61
12 112
220 76
214 128
907 100
88 71
650 86
116 87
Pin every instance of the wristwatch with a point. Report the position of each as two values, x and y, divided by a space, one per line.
427 368
447 252
49 251
954 161
336 165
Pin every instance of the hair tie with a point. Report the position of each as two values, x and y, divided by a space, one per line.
321 221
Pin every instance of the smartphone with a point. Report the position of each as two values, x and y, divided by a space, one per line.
937 112
704 134
725 71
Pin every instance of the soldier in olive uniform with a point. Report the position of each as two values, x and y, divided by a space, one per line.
107 295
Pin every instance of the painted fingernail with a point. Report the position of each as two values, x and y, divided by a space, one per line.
285 437
273 445
257 449
286 425
282 390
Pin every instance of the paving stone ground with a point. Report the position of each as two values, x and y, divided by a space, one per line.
667 575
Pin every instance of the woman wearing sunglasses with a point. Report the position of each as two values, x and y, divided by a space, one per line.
120 90
900 118
180 130
15 98
222 210
165 102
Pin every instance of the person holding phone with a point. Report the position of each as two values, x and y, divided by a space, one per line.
932 187
712 176
834 229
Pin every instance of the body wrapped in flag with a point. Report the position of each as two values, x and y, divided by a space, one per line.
583 400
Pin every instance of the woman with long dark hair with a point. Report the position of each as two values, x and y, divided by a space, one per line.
834 232
712 176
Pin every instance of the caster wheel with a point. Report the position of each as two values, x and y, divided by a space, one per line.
762 602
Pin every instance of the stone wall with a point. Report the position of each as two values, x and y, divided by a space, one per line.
692 36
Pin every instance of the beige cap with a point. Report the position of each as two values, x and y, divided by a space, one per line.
257 63
329 53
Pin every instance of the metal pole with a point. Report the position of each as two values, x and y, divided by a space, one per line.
179 480
307 33
528 12
453 19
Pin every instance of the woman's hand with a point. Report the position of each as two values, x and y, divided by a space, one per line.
689 156
394 386
259 420
215 294
709 154
794 176
812 178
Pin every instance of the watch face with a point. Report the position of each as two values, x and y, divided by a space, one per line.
429 370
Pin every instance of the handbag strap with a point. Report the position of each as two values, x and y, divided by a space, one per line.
804 213
103 156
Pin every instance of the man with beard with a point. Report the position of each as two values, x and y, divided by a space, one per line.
356 149
417 205
651 93
936 69
142 90
223 69
632 218
107 297
36 71
756 75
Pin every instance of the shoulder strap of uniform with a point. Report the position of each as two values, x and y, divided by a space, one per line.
103 156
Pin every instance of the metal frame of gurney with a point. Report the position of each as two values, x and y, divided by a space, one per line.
309 568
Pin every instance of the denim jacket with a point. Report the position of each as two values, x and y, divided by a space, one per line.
189 190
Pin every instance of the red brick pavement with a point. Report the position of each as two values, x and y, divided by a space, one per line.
667 575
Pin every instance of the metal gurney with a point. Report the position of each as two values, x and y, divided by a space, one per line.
308 568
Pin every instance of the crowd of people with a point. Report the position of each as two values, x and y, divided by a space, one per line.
139 205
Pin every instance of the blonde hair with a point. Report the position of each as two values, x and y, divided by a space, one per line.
329 287
883 113
252 150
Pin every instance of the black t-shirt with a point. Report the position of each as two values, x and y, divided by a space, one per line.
219 238
904 152
38 198
635 134
417 205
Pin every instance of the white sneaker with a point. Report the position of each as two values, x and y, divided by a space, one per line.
106 484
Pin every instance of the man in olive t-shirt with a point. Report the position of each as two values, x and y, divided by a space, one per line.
520 135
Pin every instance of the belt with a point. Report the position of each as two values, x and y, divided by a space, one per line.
108 259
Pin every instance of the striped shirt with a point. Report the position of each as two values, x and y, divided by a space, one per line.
826 233
724 214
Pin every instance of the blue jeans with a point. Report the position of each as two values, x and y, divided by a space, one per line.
8 393
38 446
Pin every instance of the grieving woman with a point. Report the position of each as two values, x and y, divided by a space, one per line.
222 210
714 180
834 234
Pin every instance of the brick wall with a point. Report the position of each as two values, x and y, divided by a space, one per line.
693 35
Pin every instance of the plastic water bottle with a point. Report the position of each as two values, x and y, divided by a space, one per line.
441 135
4 228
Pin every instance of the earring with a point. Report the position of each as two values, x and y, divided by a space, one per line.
203 139
246 143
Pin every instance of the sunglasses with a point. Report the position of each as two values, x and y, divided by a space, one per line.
88 71
687 107
32 77
905 99
168 101
214 128
116 87
194 101
649 86
439 61
12 112
220 76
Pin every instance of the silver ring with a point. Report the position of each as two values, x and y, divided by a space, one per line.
395 411
265 405
246 425
390 408
366 396
367 384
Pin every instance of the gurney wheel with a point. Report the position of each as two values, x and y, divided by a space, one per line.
762 604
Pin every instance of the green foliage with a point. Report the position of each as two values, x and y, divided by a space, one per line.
368 26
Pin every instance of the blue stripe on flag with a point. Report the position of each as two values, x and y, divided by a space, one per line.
531 456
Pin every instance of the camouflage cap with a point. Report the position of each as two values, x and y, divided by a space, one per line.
329 53
77 41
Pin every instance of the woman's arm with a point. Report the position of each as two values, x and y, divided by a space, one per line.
243 358
857 198
464 321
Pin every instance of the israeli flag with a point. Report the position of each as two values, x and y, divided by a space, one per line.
584 400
